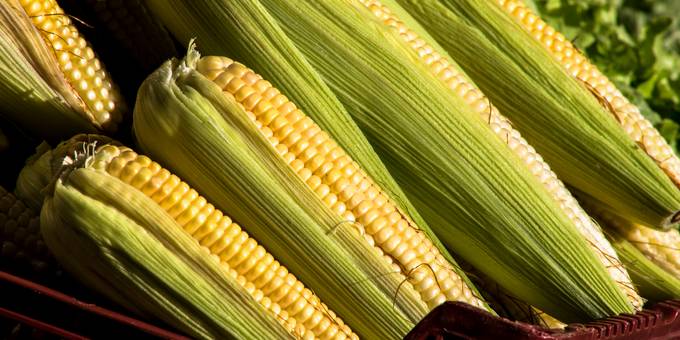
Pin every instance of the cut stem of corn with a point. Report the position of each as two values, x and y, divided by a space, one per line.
123 244
451 75
578 66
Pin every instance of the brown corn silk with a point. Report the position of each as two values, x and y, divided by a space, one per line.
577 65
78 63
20 239
450 73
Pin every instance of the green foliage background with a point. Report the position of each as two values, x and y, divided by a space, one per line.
636 43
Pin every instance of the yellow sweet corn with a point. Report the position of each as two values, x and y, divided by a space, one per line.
451 75
584 144
279 140
247 262
476 194
338 180
53 84
577 65
121 243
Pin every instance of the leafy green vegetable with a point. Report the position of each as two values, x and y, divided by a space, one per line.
636 43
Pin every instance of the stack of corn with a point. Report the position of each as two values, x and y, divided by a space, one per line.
491 200
295 226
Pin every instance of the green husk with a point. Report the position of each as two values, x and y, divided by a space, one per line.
581 141
475 193
654 283
33 91
246 32
124 245
472 190
185 122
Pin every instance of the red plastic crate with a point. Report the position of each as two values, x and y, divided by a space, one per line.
62 316
456 320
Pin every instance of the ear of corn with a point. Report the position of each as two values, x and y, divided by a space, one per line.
403 108
52 84
267 151
585 146
577 65
122 243
449 73
20 240
245 31
253 268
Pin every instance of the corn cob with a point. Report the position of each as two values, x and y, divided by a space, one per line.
130 24
52 73
273 55
450 74
20 238
568 126
265 279
248 263
338 180
291 151
76 60
578 66
123 244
